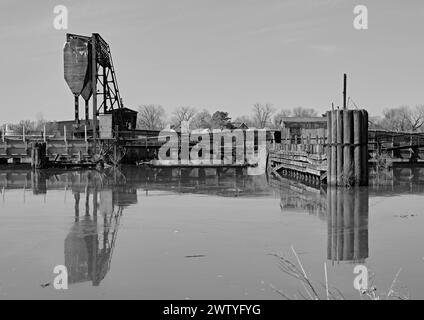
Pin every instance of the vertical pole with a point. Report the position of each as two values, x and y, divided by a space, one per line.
64 133
340 177
364 148
347 149
94 84
44 133
23 133
333 176
76 109
4 134
344 91
85 133
357 119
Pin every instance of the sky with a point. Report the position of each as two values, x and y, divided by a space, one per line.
218 54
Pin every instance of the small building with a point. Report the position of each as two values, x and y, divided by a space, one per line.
240 125
124 118
292 127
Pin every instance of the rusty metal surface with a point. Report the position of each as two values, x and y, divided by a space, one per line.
76 57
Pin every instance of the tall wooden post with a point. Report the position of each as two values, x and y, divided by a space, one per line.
357 120
364 148
344 91
340 177
333 157
347 149
329 142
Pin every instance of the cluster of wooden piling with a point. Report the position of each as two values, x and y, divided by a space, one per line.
39 155
347 152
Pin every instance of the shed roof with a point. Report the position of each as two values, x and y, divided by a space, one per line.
303 119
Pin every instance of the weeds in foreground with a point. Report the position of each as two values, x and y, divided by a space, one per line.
323 291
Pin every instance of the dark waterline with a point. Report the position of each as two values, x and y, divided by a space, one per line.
203 234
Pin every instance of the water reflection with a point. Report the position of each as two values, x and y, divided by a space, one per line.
345 210
99 200
347 224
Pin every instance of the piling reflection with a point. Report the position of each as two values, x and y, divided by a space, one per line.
345 210
347 224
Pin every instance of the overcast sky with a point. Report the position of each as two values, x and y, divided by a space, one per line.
217 54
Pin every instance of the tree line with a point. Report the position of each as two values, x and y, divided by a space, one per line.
265 115
154 117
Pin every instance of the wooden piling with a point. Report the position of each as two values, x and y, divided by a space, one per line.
333 153
329 142
347 148
347 152
364 149
38 155
340 177
357 126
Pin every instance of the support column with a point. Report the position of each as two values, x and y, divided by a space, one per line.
94 84
76 109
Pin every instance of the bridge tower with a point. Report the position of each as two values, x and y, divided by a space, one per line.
89 72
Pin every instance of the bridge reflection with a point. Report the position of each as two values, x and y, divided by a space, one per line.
91 240
100 199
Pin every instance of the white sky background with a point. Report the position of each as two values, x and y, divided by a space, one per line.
218 54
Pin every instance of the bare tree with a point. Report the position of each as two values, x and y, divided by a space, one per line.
403 118
276 121
24 125
262 114
151 117
183 114
417 117
304 112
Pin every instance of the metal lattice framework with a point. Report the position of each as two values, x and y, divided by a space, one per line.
100 81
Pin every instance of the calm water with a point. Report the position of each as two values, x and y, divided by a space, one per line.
139 233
